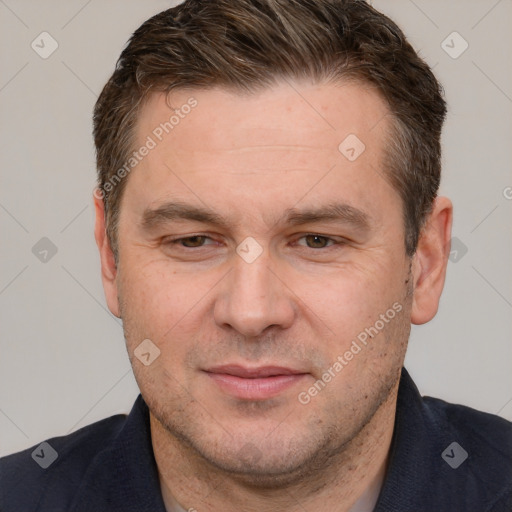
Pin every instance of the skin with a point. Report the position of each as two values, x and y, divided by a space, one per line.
300 304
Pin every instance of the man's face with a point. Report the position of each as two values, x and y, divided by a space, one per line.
258 162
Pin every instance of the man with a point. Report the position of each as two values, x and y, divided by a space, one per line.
269 227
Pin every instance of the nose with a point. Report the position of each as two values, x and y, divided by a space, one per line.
254 297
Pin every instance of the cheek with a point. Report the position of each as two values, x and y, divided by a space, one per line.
163 305
151 286
154 310
364 312
354 294
148 303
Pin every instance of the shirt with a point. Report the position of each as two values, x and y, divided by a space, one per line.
443 457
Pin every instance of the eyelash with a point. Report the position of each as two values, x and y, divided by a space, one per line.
176 241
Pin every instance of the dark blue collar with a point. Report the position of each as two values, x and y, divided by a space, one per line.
124 478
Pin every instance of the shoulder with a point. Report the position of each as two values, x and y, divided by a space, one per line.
458 414
25 476
482 429
481 445
446 457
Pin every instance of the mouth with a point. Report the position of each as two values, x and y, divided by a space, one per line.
259 383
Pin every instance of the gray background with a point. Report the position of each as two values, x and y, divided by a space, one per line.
63 362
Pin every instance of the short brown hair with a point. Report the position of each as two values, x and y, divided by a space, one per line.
248 45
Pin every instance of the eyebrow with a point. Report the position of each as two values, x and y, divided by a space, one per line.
339 212
333 212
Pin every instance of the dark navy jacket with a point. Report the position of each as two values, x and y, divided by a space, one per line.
444 457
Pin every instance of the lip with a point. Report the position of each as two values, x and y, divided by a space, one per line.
258 383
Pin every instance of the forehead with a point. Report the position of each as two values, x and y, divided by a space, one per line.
261 149
303 115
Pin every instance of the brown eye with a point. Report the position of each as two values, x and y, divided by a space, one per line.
192 241
317 241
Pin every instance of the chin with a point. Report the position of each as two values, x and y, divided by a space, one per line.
269 460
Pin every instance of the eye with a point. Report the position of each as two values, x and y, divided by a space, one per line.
318 241
190 242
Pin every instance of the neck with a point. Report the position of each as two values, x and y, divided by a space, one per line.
351 481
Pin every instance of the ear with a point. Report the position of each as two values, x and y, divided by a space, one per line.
108 264
430 261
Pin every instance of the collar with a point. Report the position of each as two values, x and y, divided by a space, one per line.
124 477
419 477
